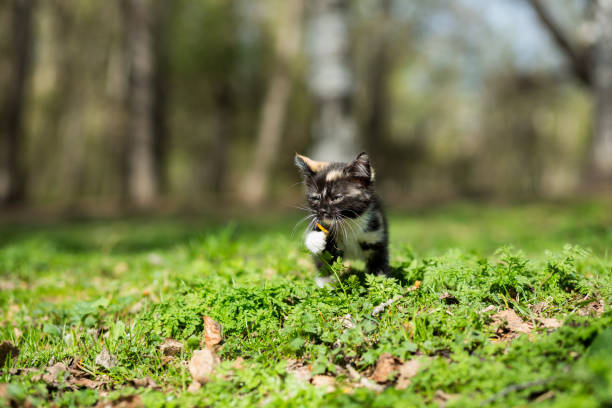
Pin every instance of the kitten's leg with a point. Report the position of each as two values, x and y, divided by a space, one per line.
325 254
378 260
324 272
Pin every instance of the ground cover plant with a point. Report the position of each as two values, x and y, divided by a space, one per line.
488 306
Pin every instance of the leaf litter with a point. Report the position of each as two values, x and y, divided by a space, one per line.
203 362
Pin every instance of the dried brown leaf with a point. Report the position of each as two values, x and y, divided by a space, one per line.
539 307
194 386
87 383
385 367
326 381
202 364
212 332
7 351
146 382
171 347
106 359
510 320
238 363
488 309
125 401
544 397
442 398
347 321
53 372
3 390
595 308
300 370
549 322
406 371
449 299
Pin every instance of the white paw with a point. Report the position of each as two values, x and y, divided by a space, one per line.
315 241
322 281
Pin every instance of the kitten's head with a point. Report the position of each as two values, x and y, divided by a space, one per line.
337 191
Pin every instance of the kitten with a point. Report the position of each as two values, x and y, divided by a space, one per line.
342 199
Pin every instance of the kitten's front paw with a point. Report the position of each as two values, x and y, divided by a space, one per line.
315 241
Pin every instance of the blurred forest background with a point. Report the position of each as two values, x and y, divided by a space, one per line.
196 103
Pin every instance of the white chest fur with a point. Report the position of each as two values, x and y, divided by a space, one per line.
354 233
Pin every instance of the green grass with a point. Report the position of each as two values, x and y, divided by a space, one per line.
137 281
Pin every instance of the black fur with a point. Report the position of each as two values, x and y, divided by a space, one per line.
339 194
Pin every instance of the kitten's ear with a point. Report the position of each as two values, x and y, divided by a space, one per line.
307 166
360 168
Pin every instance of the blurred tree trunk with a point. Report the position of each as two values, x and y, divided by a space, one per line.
141 187
592 65
12 172
160 92
602 143
224 109
274 109
330 81
377 122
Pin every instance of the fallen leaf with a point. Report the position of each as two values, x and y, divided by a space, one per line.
212 332
53 372
326 381
87 383
202 364
510 324
546 396
489 308
299 370
106 359
406 371
7 351
380 308
171 347
442 398
3 390
539 307
146 382
385 367
449 299
22 371
549 322
347 321
238 363
194 386
594 308
125 401
363 381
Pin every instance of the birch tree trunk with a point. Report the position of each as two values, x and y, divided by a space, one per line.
331 81
141 184
274 109
377 122
12 172
602 81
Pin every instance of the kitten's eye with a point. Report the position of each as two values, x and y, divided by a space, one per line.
314 197
337 198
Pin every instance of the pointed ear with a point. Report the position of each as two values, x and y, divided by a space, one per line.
307 166
360 168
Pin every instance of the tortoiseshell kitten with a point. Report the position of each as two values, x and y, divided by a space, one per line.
342 199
